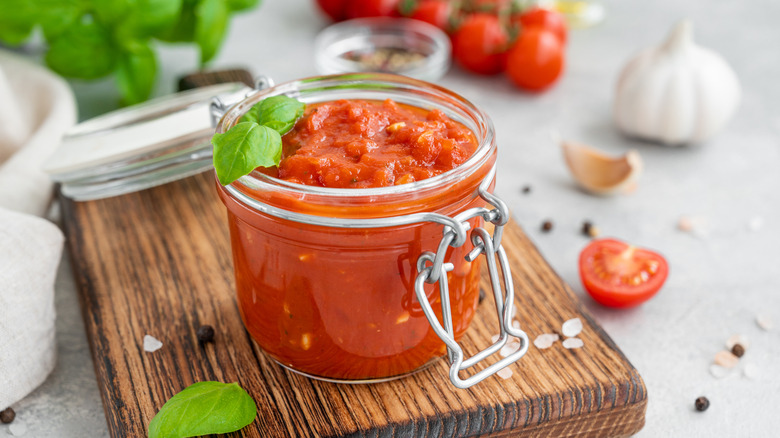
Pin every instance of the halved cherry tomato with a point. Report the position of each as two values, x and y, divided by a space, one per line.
535 60
617 274
479 43
372 8
544 18
435 12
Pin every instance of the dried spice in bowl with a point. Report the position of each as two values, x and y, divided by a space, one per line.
386 59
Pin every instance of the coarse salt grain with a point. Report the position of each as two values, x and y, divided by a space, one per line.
516 324
545 340
696 226
750 371
718 371
726 359
756 223
494 338
151 344
764 322
737 339
17 428
685 224
504 373
509 348
572 327
571 343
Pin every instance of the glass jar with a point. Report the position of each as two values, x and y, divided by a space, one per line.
329 280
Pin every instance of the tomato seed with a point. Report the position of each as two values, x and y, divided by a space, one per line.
7 415
702 403
738 350
205 334
547 226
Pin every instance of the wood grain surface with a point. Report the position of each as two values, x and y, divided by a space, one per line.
158 262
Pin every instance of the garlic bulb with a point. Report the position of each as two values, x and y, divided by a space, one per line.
676 93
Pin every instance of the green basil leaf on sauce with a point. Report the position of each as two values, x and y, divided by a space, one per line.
244 147
204 408
277 112
136 72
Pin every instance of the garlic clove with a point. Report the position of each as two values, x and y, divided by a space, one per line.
599 173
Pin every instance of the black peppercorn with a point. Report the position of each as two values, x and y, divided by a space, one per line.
738 350
589 229
702 403
7 415
481 295
547 226
526 189
205 334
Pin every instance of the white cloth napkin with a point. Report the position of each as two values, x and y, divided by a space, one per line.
36 108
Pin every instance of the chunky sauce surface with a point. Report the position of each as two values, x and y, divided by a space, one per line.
361 143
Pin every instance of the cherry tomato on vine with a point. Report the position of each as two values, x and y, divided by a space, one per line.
545 19
479 44
339 10
486 6
535 60
372 8
435 12
617 274
335 9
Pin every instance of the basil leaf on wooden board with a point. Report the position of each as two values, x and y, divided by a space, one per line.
211 22
204 408
244 147
136 72
277 112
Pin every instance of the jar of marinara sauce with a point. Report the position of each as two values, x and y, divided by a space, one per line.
356 284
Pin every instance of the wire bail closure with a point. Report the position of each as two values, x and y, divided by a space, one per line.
432 270
431 266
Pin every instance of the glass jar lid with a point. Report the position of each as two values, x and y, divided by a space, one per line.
384 45
140 146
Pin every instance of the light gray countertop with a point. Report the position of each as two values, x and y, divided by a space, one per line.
719 281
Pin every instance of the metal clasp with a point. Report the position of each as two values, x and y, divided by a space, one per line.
220 104
432 269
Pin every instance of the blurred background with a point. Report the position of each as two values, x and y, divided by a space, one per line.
711 208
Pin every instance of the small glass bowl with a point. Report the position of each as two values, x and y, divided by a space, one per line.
386 45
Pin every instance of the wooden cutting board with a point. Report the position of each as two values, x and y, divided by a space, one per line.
158 262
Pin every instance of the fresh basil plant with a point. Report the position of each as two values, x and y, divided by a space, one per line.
91 39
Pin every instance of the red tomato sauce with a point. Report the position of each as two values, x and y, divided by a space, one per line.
339 303
361 143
